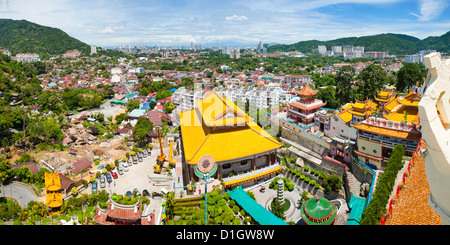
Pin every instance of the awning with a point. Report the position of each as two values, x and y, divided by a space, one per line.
246 179
258 212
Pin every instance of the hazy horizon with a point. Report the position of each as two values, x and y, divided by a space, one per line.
231 23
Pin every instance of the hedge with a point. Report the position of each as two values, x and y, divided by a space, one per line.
377 206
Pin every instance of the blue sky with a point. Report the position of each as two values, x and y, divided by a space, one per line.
219 22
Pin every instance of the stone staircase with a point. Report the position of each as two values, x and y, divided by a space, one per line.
354 184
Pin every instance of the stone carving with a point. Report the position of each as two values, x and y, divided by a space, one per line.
436 95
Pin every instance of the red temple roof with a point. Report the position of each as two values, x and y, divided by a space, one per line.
307 91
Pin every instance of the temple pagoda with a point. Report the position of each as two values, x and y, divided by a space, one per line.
302 108
385 96
53 191
318 211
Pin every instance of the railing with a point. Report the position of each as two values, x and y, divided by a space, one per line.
401 184
361 164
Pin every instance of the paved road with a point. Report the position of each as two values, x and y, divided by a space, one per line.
19 192
105 108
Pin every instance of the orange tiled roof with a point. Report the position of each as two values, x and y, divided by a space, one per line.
387 131
412 207
312 106
307 91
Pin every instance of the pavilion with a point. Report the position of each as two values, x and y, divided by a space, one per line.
318 211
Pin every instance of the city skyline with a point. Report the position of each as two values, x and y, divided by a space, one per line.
231 23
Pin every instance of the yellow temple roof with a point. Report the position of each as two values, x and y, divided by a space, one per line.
411 99
52 181
53 187
388 132
346 116
54 199
218 111
222 144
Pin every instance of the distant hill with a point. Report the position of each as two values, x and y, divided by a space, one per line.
21 36
397 44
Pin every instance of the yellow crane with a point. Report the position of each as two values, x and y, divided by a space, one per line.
161 158
171 160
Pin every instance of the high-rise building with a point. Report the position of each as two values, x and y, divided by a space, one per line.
322 49
336 49
93 49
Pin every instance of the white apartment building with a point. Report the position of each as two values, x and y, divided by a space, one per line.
27 57
322 49
259 97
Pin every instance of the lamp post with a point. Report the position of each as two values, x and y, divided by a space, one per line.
205 168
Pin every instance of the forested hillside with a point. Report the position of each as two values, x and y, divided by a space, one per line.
21 36
397 44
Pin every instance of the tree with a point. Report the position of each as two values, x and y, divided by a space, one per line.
408 76
344 80
141 130
372 79
70 98
328 95
132 104
169 106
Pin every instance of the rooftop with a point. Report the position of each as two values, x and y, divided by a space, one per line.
225 143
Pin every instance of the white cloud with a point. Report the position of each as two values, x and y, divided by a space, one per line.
235 17
430 9
107 29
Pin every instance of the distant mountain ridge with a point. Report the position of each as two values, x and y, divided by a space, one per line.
398 44
21 36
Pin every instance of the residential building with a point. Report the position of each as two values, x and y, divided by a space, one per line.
322 49
375 54
336 49
27 57
414 58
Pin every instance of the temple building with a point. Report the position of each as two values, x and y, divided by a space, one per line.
385 96
403 108
243 151
302 108
53 191
121 214
377 137
358 111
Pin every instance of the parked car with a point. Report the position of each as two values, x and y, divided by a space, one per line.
120 170
94 186
125 167
108 177
114 174
135 190
102 181
145 193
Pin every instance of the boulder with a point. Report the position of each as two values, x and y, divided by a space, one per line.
104 145
92 130
71 131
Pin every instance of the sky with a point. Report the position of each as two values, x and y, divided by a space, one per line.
108 23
